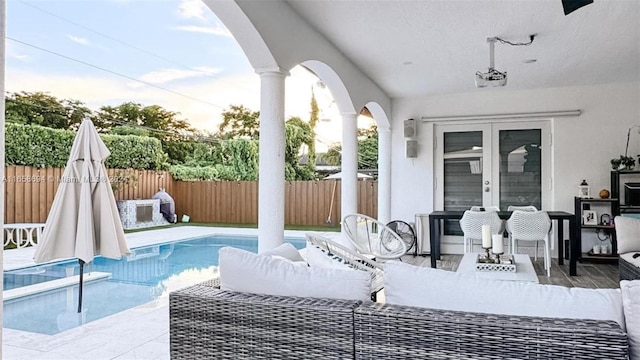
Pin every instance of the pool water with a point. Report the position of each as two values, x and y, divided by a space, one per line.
148 274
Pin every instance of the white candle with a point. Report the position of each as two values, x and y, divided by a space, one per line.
486 236
498 244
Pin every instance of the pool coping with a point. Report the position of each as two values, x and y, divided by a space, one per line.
41 287
15 259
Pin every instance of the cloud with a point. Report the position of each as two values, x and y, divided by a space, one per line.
21 57
218 29
168 75
78 39
14 52
192 9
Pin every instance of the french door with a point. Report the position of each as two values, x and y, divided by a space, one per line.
492 164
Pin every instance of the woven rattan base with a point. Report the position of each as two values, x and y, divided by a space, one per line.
207 323
420 333
628 271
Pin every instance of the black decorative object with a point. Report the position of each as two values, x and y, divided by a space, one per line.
570 6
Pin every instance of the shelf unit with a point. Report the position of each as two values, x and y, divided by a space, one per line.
614 204
616 188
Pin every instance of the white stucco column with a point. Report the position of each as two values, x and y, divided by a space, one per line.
384 175
349 196
271 174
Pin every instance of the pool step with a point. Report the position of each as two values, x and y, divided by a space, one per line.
53 284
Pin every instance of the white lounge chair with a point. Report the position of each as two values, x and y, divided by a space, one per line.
373 238
350 258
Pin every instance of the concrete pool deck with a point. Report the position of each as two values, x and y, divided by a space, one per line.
138 333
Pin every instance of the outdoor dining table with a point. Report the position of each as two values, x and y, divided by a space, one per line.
436 219
20 230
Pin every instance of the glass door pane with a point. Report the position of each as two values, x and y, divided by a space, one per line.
462 174
520 167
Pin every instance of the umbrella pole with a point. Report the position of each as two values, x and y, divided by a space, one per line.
80 286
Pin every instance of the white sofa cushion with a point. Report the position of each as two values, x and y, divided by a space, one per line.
631 304
245 271
285 250
432 288
627 234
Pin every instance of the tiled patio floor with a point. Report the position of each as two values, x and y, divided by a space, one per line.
143 332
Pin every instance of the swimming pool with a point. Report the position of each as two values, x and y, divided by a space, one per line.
148 274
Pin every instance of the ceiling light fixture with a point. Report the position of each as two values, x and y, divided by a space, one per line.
494 77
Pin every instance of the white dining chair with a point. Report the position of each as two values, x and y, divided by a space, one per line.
471 225
531 226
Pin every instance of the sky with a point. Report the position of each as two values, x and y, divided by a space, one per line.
172 53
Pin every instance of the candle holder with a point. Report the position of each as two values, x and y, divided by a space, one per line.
497 260
487 256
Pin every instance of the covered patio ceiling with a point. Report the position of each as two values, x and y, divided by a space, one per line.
400 58
412 48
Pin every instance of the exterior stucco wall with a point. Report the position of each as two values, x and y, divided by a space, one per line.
582 146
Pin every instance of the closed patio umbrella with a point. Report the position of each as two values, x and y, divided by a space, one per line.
83 221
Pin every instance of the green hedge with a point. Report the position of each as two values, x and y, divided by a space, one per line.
39 146
194 173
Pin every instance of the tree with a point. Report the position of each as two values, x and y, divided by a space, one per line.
239 122
161 123
367 152
368 132
42 109
333 156
313 121
298 132
174 133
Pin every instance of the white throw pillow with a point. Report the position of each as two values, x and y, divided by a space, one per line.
439 289
631 304
317 257
285 250
627 234
245 271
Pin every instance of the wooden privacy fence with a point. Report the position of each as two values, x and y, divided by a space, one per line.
29 193
306 202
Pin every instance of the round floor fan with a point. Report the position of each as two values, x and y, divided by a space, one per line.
405 231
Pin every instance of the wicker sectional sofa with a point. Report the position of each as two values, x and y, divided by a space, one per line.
628 237
629 267
209 323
